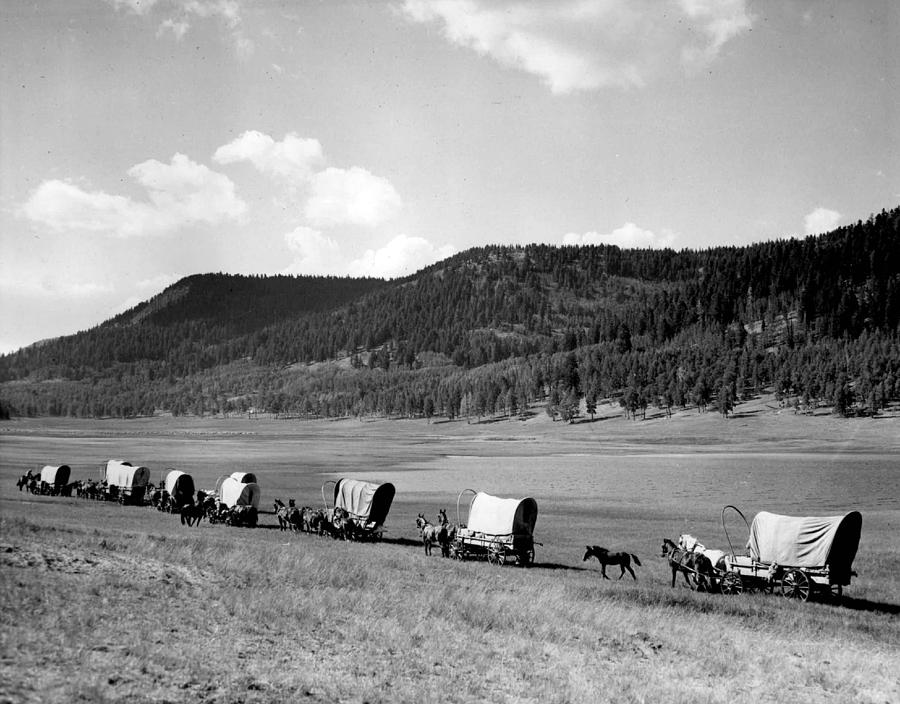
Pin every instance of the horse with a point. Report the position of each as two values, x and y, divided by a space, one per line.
89 490
344 525
191 513
319 523
295 518
431 533
22 481
693 565
281 512
447 534
605 557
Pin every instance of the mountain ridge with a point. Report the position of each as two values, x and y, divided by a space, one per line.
532 312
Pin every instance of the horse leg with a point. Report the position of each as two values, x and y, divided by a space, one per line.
603 570
628 567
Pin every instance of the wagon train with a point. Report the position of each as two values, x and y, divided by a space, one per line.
798 557
126 483
499 530
364 504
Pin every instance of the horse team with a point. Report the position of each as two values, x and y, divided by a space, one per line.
336 522
442 534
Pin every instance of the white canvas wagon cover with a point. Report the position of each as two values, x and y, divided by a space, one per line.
368 500
806 541
234 493
126 476
179 483
56 475
244 477
493 515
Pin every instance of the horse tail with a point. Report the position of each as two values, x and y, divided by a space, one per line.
635 558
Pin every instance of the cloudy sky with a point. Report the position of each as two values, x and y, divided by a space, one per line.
145 140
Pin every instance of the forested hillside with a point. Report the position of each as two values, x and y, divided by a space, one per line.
498 329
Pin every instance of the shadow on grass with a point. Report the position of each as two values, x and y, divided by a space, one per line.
557 567
405 542
880 607
745 414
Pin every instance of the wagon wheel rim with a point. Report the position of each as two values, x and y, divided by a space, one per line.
795 585
732 584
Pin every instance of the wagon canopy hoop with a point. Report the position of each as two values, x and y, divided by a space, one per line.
458 498
725 527
324 484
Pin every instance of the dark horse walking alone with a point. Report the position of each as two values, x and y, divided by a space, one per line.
623 559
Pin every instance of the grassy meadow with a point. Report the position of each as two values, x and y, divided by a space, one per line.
104 603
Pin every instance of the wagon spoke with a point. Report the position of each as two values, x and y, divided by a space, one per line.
796 585
732 583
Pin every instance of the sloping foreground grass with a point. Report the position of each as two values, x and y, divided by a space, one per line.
94 610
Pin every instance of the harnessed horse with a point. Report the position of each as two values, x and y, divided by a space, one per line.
693 565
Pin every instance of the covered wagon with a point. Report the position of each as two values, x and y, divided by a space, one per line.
180 488
365 503
797 556
54 479
125 482
240 502
498 529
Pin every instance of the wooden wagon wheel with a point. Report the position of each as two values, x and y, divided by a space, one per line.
732 583
496 553
795 585
457 550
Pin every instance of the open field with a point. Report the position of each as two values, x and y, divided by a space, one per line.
109 603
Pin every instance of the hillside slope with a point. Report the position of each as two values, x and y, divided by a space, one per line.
496 329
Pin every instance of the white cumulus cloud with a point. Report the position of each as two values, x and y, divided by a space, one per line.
720 21
629 236
351 196
821 220
315 254
179 193
579 45
330 196
177 16
293 157
402 256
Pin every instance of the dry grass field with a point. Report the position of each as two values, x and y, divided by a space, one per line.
104 603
